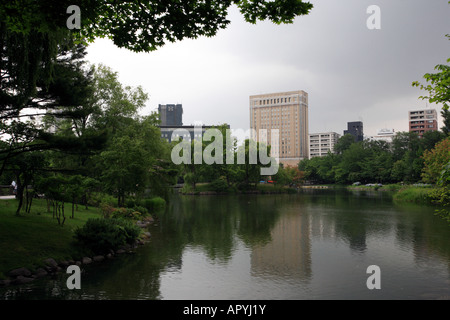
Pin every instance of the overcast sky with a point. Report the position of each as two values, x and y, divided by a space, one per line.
351 73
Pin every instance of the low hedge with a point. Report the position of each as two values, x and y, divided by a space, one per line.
101 235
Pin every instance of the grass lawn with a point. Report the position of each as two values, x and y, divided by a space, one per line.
28 239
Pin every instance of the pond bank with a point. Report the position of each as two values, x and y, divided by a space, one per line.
17 269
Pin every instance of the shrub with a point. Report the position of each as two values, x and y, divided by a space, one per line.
154 204
97 198
142 210
219 185
126 213
102 235
107 210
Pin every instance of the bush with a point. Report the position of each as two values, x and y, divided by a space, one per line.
102 235
154 204
97 198
107 210
219 185
142 210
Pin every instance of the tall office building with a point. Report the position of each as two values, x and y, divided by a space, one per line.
288 113
171 114
421 121
322 143
356 129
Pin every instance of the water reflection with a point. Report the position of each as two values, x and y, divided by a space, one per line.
312 245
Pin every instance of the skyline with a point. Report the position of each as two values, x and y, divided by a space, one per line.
330 53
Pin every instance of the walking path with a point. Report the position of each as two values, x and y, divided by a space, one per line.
7 197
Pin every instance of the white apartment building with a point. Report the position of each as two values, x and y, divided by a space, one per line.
322 143
384 135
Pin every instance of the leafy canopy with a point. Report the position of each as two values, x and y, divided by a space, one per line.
145 25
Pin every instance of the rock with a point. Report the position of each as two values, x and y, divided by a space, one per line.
51 263
4 283
86 260
22 280
24 272
48 269
146 235
109 256
64 264
120 251
40 273
98 258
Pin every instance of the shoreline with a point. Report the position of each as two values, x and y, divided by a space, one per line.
23 275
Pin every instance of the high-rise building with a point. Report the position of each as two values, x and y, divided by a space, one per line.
171 114
384 135
322 143
286 112
187 133
421 121
356 129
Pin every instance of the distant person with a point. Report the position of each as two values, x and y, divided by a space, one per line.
14 187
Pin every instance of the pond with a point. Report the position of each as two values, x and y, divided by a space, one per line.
317 244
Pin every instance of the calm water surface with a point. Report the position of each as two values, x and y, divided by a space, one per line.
312 245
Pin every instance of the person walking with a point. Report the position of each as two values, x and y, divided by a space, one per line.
14 187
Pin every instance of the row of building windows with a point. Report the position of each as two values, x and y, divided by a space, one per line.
264 102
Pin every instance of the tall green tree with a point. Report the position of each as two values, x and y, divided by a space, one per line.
438 87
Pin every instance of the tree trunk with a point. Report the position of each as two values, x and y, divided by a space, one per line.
64 217
19 195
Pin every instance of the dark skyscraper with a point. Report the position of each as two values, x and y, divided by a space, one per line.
171 114
355 128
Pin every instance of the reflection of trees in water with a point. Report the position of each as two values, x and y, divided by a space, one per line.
264 223
417 227
349 212
212 222
258 216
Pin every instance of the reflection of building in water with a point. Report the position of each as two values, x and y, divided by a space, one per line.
289 252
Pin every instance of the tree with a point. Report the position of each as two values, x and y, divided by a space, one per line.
135 159
441 194
62 97
407 150
435 160
344 143
144 25
439 90
250 170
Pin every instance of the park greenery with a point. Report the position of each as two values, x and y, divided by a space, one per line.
71 133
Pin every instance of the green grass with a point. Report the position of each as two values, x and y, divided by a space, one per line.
412 194
28 239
